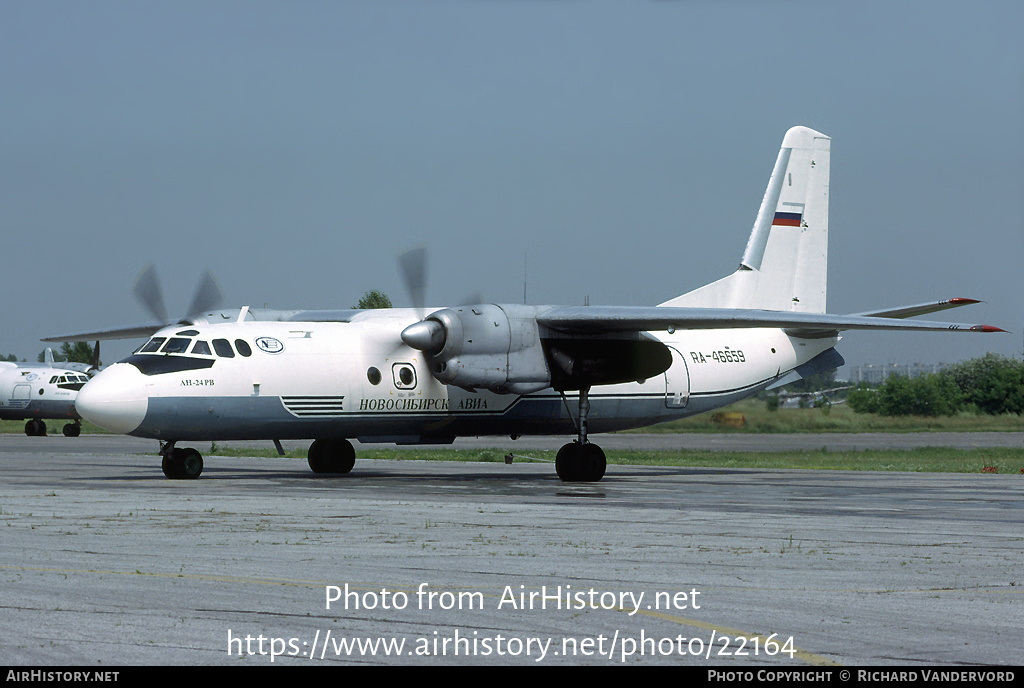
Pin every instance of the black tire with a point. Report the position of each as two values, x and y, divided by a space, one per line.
72 430
565 463
170 467
593 463
580 463
35 428
191 463
183 464
336 456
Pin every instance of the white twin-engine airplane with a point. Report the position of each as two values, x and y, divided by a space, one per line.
36 392
396 376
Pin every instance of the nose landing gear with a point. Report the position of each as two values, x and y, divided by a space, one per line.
181 464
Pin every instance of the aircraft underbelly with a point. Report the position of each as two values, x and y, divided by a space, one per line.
267 417
53 408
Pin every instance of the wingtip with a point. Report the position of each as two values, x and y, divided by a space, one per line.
987 328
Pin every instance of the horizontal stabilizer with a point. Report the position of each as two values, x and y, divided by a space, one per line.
830 359
920 309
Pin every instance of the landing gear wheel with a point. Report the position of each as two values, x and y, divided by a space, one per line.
182 464
580 463
72 430
35 428
331 456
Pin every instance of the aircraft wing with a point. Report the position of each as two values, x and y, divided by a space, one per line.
130 332
145 331
598 319
607 319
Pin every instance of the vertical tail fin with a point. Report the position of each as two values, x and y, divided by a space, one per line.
784 266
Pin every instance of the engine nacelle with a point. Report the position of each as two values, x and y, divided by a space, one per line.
486 347
503 349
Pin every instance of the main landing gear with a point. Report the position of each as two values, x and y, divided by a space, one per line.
325 456
580 461
37 428
331 456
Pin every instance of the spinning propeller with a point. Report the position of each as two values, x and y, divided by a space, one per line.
413 265
147 290
427 335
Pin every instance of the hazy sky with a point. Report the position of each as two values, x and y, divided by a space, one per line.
615 150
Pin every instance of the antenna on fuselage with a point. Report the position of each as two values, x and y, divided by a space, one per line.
525 256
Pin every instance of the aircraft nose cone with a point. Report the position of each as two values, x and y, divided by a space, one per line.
115 399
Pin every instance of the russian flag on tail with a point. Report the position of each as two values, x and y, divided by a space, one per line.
787 219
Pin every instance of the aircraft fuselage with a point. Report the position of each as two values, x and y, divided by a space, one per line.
283 380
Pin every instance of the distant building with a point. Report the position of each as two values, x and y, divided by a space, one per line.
875 374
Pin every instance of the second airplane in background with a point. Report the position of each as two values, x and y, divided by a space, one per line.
43 391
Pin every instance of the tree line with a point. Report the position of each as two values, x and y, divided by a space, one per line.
992 384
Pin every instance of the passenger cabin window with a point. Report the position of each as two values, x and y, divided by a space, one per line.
202 347
223 348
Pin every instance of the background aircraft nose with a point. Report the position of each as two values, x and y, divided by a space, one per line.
115 399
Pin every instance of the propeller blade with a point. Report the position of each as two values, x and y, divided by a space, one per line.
413 264
208 296
147 291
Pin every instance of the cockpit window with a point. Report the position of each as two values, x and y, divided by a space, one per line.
53 380
223 348
202 347
243 347
152 345
177 345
